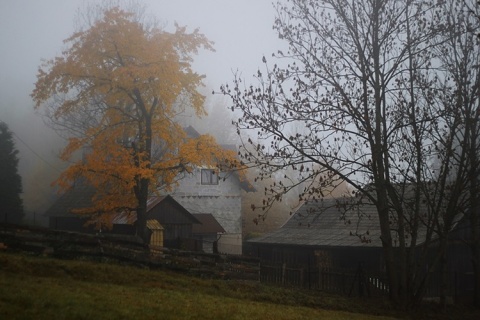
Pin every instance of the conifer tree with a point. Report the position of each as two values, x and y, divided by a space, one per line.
11 205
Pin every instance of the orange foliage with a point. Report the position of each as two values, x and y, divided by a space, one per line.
127 78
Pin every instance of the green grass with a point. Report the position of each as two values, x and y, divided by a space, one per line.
45 288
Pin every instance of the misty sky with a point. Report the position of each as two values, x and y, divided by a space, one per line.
32 30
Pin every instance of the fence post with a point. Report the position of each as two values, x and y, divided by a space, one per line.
284 273
259 273
320 285
308 274
455 288
302 283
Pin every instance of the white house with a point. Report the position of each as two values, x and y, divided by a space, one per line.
205 191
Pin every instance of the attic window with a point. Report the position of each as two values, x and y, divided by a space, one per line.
209 177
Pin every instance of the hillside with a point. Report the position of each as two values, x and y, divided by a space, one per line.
45 288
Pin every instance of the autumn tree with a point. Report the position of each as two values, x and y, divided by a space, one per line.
117 85
350 101
11 204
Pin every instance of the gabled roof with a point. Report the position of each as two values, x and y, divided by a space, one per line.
342 222
191 132
208 224
329 222
80 196
152 202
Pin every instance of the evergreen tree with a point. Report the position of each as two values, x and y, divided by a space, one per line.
11 205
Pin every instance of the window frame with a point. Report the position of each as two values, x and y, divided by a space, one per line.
210 179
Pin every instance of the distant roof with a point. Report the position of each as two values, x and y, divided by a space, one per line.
78 197
191 132
327 223
208 224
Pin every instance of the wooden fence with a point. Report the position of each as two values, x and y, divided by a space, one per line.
127 250
349 282
357 282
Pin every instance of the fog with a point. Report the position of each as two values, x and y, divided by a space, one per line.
32 30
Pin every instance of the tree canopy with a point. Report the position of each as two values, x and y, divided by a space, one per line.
11 204
116 90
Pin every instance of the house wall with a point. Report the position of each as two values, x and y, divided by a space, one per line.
176 231
229 243
207 241
223 201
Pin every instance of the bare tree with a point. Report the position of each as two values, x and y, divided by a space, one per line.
356 85
460 58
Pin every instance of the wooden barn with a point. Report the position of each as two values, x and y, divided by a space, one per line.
335 234
60 216
175 222
320 234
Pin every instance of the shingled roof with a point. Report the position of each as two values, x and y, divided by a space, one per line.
329 222
152 202
340 222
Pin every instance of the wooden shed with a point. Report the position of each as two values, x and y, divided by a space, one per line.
343 234
60 213
320 234
176 221
174 218
207 232
156 236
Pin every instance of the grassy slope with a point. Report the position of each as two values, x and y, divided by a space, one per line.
44 288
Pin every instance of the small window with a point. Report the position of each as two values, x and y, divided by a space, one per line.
209 176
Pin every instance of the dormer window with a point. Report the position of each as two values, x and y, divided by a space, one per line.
209 177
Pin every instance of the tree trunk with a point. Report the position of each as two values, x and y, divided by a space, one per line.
444 274
144 151
141 223
475 251
388 251
474 205
476 276
380 160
